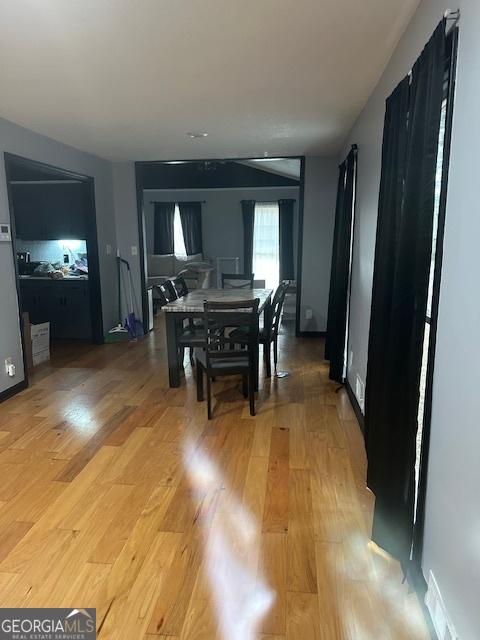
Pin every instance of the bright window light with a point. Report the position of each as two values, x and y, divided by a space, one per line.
178 241
266 239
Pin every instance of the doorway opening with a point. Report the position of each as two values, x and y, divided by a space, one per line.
55 250
191 223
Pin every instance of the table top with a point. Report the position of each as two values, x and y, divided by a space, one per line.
193 301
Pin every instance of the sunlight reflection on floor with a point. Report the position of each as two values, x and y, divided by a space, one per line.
376 584
241 597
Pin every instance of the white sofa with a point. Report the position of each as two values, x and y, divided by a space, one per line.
195 269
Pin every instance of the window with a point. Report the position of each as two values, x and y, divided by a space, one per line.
266 244
178 241
426 339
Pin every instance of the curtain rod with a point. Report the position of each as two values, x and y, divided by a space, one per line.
452 14
452 18
178 201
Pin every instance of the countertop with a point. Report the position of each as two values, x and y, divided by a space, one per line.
69 278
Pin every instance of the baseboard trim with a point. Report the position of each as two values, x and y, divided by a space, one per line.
418 583
311 334
356 407
12 391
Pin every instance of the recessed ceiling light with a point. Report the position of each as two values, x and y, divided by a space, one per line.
197 134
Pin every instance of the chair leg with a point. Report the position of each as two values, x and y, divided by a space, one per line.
266 354
251 393
275 352
192 359
245 386
199 383
209 397
181 356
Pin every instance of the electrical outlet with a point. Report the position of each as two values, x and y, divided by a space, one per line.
360 392
9 367
134 250
109 249
308 314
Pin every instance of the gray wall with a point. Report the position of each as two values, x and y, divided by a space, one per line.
321 176
126 219
222 225
452 531
20 141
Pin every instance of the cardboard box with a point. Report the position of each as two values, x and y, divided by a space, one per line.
41 356
40 342
27 336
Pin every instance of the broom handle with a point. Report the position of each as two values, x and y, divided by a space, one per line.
130 282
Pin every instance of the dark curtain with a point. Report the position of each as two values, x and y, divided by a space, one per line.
340 270
285 209
163 228
399 297
248 212
191 217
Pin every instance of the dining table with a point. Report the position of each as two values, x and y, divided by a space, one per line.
191 306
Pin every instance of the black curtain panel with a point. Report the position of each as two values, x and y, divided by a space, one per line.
285 209
340 270
191 217
248 212
163 228
400 289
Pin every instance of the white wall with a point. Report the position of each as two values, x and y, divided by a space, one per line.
321 175
222 225
20 141
452 529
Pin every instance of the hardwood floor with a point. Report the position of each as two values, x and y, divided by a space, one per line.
117 493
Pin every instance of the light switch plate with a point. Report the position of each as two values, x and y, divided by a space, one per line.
5 235
134 250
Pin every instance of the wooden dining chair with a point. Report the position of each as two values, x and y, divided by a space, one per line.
168 291
268 334
237 280
180 286
217 358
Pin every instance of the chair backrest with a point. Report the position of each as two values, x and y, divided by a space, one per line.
168 291
222 317
180 286
277 306
237 280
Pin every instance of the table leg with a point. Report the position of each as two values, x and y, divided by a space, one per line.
257 364
172 350
267 323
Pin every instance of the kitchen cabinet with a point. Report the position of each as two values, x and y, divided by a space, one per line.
73 316
63 303
50 211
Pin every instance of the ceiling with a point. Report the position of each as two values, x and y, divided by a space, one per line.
212 174
128 79
287 167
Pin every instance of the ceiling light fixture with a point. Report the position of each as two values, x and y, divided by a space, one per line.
197 134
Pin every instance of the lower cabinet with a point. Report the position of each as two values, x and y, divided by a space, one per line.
63 303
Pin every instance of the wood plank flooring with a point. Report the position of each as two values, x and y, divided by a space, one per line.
117 493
